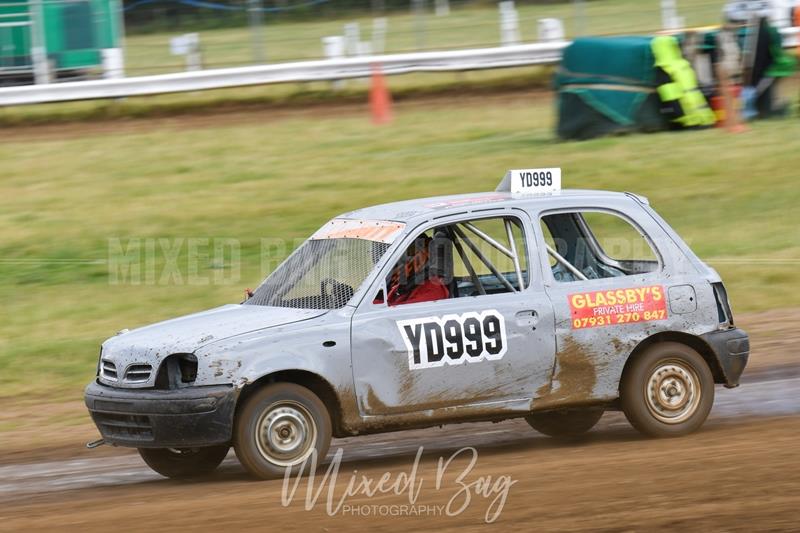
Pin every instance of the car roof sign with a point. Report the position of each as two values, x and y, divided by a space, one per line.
529 181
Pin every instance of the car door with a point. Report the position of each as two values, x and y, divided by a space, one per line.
463 350
607 291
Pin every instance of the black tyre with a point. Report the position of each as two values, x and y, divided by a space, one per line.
279 427
667 391
565 423
183 463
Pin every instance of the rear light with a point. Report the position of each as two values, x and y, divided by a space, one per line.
723 305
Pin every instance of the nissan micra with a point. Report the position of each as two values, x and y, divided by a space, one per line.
530 301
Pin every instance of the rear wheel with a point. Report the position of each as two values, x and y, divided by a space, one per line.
667 391
279 427
565 423
182 463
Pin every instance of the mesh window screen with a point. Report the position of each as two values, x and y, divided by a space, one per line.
321 274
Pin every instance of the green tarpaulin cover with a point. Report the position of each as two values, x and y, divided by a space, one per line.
607 85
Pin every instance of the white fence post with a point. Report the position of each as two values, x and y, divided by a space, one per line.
669 15
420 27
352 38
333 48
509 23
113 63
781 13
255 15
379 27
188 45
550 30
41 64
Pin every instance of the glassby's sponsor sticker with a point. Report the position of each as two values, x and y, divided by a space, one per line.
617 306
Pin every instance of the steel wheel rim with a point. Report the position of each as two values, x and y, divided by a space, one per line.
285 433
673 392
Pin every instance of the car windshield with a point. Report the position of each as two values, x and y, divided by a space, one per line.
321 274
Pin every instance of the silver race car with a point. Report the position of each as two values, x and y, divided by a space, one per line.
529 301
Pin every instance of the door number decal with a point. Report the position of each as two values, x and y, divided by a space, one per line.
454 339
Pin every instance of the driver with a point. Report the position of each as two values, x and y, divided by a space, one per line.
412 279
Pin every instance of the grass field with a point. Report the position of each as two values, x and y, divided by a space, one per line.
68 200
465 27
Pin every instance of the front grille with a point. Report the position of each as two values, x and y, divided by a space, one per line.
108 370
127 427
138 373
134 373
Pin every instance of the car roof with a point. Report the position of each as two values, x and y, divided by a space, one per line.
423 208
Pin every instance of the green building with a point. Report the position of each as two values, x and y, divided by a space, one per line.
70 34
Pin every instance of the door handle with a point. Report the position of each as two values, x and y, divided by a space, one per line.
527 318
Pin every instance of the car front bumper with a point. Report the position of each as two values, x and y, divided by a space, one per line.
146 418
731 348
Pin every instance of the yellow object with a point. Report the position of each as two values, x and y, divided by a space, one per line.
683 87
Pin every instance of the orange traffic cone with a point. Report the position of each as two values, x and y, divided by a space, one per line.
380 101
730 97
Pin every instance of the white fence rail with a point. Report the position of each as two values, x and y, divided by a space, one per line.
303 71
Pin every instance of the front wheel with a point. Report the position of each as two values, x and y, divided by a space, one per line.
565 423
183 463
667 391
280 427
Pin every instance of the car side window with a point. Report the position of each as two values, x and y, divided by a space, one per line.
594 245
467 258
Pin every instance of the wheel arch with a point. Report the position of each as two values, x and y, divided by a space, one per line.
692 341
304 378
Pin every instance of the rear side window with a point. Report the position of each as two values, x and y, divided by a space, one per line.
595 245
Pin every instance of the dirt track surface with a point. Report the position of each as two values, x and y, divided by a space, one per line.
734 475
741 472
